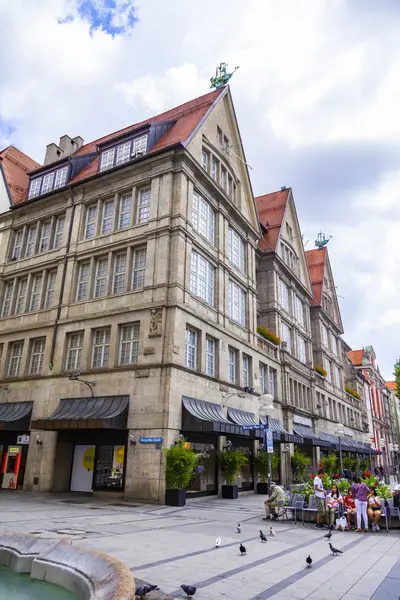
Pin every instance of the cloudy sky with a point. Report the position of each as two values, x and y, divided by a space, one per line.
317 97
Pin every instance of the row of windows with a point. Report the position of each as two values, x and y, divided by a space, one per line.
51 181
118 155
292 304
336 411
290 258
40 237
114 273
28 294
219 173
299 348
333 372
330 341
239 366
300 395
128 350
111 215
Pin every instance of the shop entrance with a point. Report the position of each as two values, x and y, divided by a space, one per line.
82 468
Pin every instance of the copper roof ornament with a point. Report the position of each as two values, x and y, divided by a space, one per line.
321 240
221 76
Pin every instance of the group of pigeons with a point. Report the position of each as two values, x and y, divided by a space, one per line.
190 590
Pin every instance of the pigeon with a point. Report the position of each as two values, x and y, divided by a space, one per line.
328 535
239 528
218 542
271 531
143 590
263 537
242 549
309 561
335 551
190 590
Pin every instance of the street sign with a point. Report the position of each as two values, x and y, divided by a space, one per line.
269 440
150 440
260 426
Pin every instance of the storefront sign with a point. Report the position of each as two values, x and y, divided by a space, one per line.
150 440
13 450
260 426
302 420
23 439
269 441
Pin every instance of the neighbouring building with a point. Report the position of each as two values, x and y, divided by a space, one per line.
394 421
128 305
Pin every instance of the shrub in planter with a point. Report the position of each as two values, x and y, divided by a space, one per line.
364 465
347 463
231 463
181 462
352 392
299 463
320 370
268 335
329 464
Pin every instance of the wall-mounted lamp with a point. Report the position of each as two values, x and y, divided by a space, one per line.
76 377
228 446
132 440
38 441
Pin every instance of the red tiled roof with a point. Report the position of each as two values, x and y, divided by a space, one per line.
15 165
271 208
356 357
392 385
316 266
187 117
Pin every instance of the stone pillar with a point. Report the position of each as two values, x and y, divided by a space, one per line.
221 442
40 464
316 453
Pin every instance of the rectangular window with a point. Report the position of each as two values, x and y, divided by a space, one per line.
272 389
203 218
125 205
284 295
61 178
82 290
50 289
139 268
18 237
44 244
302 350
107 159
59 231
327 367
90 228
140 145
8 290
219 135
237 303
285 335
14 362
119 273
214 168
34 188
123 153
338 346
325 339
338 382
191 349
210 357
232 365
21 296
299 311
202 276
37 353
236 249
144 205
246 370
204 160
35 293
74 353
108 217
100 277
48 180
31 241
129 344
101 348
223 180
262 376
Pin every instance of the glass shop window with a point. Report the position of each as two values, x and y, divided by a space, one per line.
109 468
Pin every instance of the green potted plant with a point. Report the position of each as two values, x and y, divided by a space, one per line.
329 464
180 464
261 468
299 463
231 462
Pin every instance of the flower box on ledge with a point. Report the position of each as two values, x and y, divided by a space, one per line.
268 335
320 370
352 392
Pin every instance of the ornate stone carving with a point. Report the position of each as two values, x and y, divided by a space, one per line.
155 322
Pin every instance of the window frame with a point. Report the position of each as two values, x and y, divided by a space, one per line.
50 292
17 254
35 294
210 356
17 357
80 336
191 347
246 370
82 283
101 346
31 242
236 303
8 285
117 274
143 205
20 298
109 156
107 217
299 311
232 365
302 349
45 236
284 299
203 218
59 231
139 262
263 377
92 222
100 277
39 354
236 249
35 186
125 212
202 278
288 341
132 343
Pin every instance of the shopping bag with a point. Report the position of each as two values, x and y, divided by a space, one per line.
341 523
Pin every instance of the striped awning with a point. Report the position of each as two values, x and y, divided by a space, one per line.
87 413
280 433
15 415
206 411
307 433
242 417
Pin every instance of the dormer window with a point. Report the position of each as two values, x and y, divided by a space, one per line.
34 189
47 183
113 157
61 178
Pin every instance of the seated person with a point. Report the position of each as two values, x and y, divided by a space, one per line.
350 506
333 501
276 498
374 509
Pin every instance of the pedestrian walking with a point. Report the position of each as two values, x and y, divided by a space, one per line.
320 495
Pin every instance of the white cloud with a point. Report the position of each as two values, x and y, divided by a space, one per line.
311 71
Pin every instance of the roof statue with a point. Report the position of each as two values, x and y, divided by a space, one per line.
321 240
221 76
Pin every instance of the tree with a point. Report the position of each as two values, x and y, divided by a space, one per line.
397 376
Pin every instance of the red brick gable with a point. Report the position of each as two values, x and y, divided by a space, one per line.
271 209
15 166
316 266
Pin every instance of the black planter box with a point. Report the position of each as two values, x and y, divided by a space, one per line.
262 488
175 497
230 491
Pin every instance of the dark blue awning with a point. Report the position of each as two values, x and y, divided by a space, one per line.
206 411
242 417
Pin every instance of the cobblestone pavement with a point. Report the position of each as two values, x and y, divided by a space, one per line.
170 546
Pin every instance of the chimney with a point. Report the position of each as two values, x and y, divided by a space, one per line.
66 147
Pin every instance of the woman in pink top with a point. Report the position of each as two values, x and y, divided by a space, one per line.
360 493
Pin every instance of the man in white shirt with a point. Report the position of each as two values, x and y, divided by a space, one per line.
320 494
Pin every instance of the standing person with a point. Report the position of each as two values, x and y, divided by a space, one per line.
360 493
374 509
333 500
382 472
276 498
320 494
350 509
